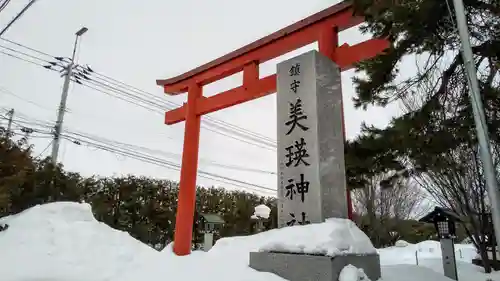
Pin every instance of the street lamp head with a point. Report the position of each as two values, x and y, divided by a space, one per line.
81 31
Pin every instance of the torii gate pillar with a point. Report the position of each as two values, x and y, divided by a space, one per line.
322 27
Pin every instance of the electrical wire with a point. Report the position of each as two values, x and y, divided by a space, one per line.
119 87
17 17
6 91
168 154
3 4
26 47
173 105
23 59
45 149
167 164
23 53
114 92
134 151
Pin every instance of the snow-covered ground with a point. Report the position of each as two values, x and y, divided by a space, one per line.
63 242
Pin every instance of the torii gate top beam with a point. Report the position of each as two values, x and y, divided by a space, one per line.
290 38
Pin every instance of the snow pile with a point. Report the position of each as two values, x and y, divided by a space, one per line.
332 238
415 253
63 241
418 273
351 273
401 244
261 211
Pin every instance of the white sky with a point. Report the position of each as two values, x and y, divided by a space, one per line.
138 42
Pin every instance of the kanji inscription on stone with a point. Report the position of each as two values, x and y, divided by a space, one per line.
311 182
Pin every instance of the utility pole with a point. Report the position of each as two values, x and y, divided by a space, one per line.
64 97
11 118
479 117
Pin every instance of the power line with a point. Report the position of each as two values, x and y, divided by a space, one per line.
6 91
3 4
152 160
2 89
42 127
167 164
160 110
212 121
45 149
23 53
23 59
26 47
169 154
114 92
17 17
122 88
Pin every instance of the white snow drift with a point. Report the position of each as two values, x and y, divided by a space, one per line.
331 238
63 242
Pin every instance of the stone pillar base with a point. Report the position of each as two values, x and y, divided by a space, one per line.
300 267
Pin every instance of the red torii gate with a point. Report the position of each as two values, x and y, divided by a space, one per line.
322 27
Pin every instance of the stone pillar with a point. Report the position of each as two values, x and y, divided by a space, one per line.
449 262
208 241
311 182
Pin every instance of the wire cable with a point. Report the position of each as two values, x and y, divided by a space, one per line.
45 149
6 91
17 17
169 164
23 59
3 4
40 126
120 88
175 105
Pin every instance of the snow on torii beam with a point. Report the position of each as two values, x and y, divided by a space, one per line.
322 27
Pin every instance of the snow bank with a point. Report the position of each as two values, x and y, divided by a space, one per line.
416 273
401 244
63 241
331 238
422 251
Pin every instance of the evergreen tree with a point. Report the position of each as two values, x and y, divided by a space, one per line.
435 137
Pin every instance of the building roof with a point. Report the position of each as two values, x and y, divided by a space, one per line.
439 214
213 218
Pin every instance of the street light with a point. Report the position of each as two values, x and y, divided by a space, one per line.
81 31
64 97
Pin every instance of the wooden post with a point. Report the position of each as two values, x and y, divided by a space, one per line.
187 186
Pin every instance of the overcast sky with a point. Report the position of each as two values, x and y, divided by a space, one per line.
138 42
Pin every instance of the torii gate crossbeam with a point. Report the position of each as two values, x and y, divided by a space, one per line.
322 27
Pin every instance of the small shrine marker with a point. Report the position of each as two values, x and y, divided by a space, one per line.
311 182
